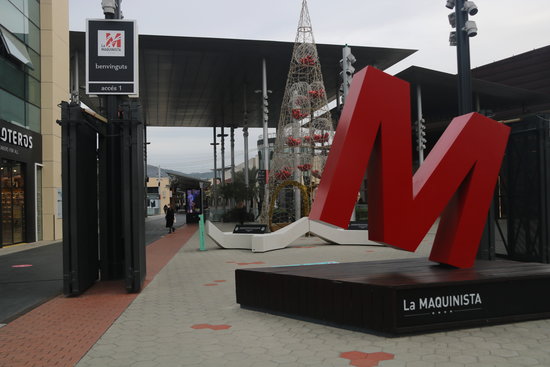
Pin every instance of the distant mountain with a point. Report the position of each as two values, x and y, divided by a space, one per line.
201 175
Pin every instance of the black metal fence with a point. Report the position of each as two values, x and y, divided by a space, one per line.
522 193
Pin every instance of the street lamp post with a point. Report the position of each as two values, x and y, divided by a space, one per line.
465 29
461 38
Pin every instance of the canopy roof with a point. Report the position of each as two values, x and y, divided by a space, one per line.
439 93
190 81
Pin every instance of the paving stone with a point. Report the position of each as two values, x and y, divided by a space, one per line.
420 364
523 361
435 358
144 364
393 363
156 326
449 364
492 359
504 352
284 358
464 359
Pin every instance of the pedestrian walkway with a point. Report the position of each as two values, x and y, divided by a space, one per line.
61 331
12 249
187 316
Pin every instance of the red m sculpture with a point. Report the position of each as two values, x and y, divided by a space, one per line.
456 181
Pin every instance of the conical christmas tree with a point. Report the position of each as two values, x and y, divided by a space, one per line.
304 134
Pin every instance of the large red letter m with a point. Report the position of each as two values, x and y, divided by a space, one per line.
456 181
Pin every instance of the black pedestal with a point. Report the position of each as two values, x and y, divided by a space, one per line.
400 296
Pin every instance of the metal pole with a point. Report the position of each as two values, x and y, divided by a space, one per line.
463 60
419 124
265 131
215 181
75 93
158 184
232 143
245 138
345 77
222 136
265 117
118 11
112 229
487 243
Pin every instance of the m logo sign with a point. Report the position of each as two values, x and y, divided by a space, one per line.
110 43
455 182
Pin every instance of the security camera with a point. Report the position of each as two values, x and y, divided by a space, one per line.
470 28
450 4
452 19
109 6
452 38
470 7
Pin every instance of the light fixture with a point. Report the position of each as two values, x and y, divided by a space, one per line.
452 19
109 6
470 7
450 4
470 28
452 38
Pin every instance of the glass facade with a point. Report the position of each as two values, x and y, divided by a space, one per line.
20 98
20 80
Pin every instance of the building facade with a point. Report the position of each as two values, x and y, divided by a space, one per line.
34 78
158 190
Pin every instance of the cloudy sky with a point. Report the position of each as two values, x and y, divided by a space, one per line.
506 28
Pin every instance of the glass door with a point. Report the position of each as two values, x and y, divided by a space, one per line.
7 235
18 203
13 202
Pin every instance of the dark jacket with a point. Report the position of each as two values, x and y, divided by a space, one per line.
169 218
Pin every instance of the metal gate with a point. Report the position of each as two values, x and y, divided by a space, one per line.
80 215
118 227
523 191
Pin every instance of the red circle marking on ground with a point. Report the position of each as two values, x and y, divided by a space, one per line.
360 359
253 263
213 327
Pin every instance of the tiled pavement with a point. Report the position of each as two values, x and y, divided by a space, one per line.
187 316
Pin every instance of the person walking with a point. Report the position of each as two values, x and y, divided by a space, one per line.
170 219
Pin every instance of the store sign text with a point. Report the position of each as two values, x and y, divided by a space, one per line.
16 138
442 302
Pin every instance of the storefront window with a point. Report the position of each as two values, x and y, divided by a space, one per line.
18 203
13 202
7 234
